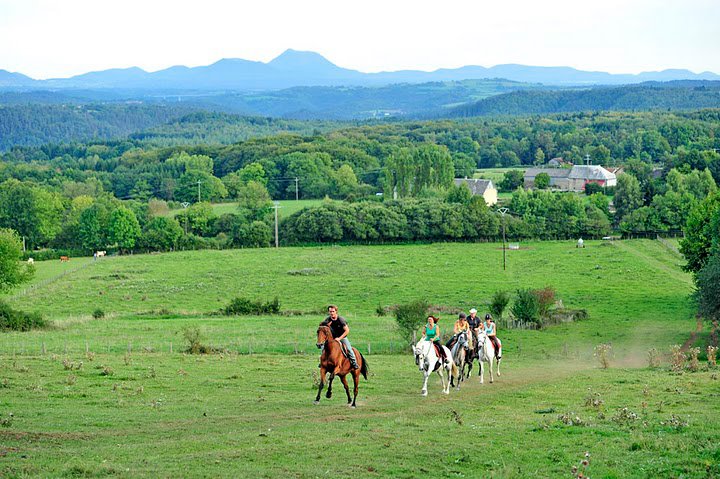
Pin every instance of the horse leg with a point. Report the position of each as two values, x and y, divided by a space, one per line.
329 391
347 388
490 363
322 384
356 383
445 388
482 372
424 388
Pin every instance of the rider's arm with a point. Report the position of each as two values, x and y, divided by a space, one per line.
346 331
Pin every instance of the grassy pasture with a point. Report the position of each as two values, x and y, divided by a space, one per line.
248 412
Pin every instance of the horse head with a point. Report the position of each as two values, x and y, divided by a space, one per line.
420 354
462 339
323 336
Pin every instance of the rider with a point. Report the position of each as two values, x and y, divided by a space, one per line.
432 333
460 325
491 331
474 322
340 330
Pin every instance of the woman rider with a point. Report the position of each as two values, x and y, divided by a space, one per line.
460 325
432 333
491 332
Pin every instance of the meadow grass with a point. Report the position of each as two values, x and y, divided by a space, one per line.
134 409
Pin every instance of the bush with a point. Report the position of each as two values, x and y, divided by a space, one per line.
14 320
194 338
98 314
545 298
526 307
245 306
498 303
409 317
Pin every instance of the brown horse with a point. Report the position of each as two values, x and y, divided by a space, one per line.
333 361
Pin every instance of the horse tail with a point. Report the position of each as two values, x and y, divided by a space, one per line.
364 367
454 371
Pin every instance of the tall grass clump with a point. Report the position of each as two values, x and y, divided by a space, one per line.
409 317
653 358
677 359
711 356
603 353
194 338
14 320
693 362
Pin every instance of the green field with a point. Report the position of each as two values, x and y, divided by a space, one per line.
287 207
139 407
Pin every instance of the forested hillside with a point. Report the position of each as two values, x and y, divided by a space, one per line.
37 124
651 96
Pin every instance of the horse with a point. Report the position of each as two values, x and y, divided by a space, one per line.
462 353
428 361
333 360
486 354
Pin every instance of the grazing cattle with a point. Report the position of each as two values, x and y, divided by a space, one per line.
64 259
100 254
31 261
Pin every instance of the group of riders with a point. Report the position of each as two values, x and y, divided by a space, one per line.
471 325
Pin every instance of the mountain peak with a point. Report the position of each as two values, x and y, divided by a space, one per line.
300 60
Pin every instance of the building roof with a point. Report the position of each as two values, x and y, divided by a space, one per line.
591 172
531 173
477 186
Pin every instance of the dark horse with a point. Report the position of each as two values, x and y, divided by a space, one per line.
333 361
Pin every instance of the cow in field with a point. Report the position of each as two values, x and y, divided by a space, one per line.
30 261
64 259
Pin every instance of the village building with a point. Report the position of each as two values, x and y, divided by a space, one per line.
572 179
480 187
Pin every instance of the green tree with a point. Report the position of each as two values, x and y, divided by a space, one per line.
628 196
512 180
254 202
124 228
12 271
160 234
708 285
344 182
459 194
195 182
542 181
539 156
31 211
702 233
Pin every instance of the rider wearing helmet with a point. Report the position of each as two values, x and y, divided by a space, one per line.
491 331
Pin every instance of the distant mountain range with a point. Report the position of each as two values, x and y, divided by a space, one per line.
302 69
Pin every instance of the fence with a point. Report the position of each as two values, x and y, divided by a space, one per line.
48 281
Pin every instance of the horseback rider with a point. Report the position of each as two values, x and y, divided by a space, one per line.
474 322
432 333
491 330
340 330
460 325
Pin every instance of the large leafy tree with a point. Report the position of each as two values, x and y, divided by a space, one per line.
628 196
31 211
124 228
12 271
702 233
708 285
160 234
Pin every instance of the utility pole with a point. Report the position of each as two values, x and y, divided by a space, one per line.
502 212
296 188
276 205
198 182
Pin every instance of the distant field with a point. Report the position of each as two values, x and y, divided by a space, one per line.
494 174
139 407
287 207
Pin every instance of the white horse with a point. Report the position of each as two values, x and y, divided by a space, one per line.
427 361
486 354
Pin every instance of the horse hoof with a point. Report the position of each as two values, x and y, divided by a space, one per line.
316 402
446 392
424 393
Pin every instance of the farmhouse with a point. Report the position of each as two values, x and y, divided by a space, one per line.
573 179
479 187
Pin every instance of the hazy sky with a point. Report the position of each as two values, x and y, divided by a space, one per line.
54 38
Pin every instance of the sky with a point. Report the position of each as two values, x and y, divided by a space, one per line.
61 38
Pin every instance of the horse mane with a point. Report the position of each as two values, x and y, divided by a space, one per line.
325 327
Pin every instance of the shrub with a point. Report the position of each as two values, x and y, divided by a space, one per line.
526 307
653 358
677 359
245 306
98 314
693 363
14 320
194 338
409 317
545 298
498 303
711 355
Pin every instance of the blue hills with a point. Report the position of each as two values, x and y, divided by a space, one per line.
301 69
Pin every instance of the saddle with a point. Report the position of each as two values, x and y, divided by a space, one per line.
438 351
344 350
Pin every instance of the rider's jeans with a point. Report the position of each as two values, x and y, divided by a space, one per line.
351 353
